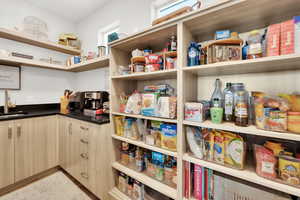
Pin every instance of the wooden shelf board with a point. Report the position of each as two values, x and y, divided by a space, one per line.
117 194
15 61
145 117
247 174
155 37
254 14
266 64
154 184
90 64
251 130
162 74
146 146
21 37
171 22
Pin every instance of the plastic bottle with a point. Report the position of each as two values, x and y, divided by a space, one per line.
217 94
228 103
193 54
245 51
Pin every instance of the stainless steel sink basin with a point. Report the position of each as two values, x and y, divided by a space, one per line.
9 115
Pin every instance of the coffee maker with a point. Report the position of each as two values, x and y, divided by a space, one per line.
76 103
93 102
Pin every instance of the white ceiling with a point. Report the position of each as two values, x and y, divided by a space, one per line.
73 10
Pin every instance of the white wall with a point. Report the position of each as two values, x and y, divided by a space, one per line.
133 16
38 85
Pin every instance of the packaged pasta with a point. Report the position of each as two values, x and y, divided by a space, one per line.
235 150
169 136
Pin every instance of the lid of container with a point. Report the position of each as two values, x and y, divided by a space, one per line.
297 19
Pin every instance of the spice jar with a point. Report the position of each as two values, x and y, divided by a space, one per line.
241 108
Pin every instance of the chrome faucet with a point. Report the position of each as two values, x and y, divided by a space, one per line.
6 101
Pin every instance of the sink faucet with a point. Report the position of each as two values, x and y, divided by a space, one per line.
6 102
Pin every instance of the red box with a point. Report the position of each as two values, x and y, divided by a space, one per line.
273 40
287 37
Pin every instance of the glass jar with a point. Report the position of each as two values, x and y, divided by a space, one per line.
241 108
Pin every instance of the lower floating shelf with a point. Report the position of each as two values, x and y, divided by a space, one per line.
247 175
150 182
118 195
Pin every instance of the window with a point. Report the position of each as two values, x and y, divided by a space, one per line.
165 10
103 34
162 8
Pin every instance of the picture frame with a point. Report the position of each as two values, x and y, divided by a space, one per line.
10 77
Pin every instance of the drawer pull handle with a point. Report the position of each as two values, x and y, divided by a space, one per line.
9 132
19 131
70 128
84 141
84 155
84 175
84 128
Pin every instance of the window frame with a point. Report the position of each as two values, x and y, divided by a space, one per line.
105 31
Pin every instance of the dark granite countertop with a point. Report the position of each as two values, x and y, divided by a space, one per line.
48 110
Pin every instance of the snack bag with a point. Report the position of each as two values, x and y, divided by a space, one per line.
234 150
219 153
133 105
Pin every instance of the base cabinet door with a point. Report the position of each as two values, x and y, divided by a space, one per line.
45 137
36 146
24 149
6 154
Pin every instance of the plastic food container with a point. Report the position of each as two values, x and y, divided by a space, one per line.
294 122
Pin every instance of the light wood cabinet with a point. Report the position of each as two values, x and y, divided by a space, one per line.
84 154
36 146
6 154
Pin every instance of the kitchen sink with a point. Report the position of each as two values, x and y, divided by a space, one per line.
14 114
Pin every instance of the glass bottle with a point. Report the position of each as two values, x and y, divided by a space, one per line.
217 94
193 54
173 43
228 103
241 108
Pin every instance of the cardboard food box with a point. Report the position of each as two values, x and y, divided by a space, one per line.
287 37
273 40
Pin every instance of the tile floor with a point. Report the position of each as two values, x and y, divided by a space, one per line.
54 187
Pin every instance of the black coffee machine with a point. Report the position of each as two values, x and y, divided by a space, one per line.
93 100
76 103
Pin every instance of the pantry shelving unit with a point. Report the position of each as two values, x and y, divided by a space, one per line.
22 37
141 177
250 130
146 146
248 175
272 75
118 195
145 117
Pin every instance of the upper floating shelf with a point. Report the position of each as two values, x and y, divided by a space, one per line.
90 64
266 64
21 37
85 66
